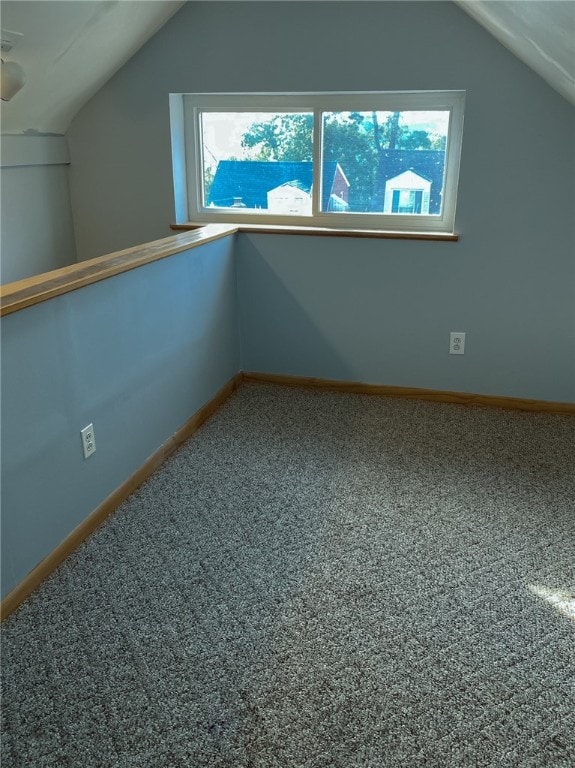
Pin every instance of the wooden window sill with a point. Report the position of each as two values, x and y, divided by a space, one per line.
274 229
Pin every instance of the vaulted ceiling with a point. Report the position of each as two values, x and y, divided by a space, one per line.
70 48
541 34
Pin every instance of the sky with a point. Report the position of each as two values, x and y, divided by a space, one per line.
223 131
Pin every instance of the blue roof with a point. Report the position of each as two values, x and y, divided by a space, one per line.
251 180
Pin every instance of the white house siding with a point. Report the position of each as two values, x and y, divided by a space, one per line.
288 199
408 180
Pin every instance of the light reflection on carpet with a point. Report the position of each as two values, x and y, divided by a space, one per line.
560 599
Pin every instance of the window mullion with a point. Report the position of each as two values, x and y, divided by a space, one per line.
317 161
199 159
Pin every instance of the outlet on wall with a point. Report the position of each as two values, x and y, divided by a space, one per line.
457 343
88 440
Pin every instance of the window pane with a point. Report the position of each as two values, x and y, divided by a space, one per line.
258 161
384 162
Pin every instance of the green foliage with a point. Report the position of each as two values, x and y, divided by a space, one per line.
209 175
355 140
283 137
347 142
414 140
438 142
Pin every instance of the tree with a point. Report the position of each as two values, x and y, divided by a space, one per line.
356 140
348 142
209 176
283 137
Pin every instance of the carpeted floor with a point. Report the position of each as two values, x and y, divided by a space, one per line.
315 580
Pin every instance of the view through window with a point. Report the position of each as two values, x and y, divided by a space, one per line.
394 168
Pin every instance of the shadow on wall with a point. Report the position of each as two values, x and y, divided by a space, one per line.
289 342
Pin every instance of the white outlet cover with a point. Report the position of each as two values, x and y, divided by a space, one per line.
88 440
457 343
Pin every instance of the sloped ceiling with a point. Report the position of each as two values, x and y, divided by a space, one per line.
70 48
540 33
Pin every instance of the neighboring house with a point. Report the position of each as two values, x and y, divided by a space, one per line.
410 181
290 198
407 193
278 186
336 191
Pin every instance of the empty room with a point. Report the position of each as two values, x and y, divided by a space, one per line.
287 384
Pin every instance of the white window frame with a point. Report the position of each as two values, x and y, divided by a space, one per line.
186 142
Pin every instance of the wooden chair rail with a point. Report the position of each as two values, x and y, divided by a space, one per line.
33 290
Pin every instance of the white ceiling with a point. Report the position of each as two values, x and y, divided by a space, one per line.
539 32
70 48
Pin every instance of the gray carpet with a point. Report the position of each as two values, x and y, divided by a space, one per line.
315 580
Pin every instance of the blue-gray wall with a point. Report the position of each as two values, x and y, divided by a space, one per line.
137 355
356 311
36 230
378 311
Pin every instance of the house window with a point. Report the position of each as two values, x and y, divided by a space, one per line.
406 201
385 161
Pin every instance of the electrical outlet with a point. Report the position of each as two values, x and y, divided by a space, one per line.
457 343
88 440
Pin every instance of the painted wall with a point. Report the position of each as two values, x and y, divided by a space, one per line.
137 355
36 229
383 316
373 310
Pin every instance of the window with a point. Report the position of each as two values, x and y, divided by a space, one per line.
406 201
386 161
